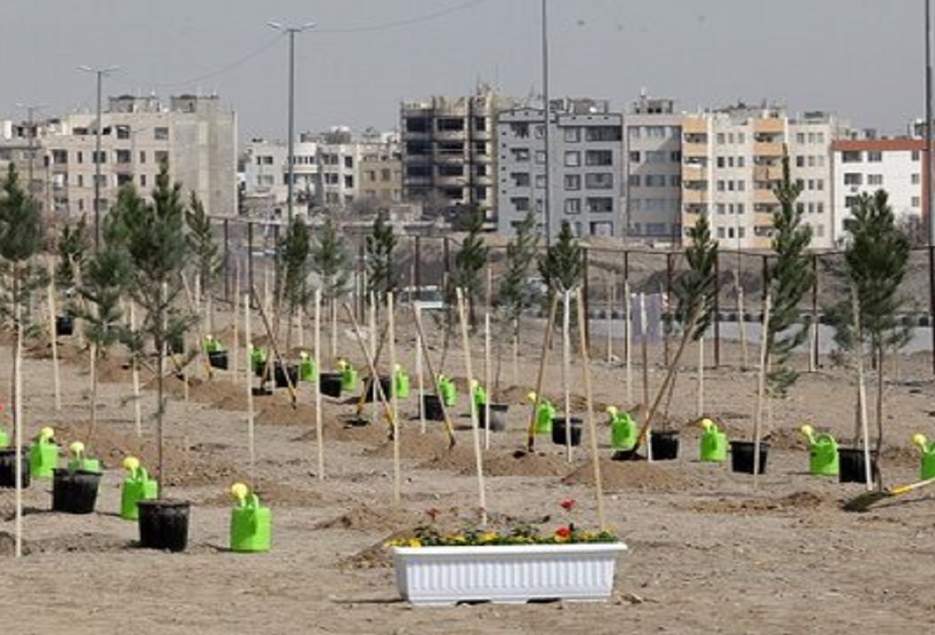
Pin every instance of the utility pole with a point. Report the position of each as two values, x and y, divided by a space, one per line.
928 121
31 139
546 107
100 73
291 31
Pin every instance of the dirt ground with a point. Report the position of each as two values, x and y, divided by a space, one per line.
707 552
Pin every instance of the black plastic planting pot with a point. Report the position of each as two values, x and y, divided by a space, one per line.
279 375
497 416
8 467
261 391
558 431
176 345
330 384
74 492
741 456
432 407
386 383
64 325
665 445
218 359
852 467
164 524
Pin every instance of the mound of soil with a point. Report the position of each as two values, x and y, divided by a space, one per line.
413 446
496 463
270 493
277 413
221 394
782 439
365 518
80 543
184 468
618 476
796 501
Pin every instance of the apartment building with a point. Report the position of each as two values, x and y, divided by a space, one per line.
194 135
449 160
653 171
732 161
380 174
863 165
585 167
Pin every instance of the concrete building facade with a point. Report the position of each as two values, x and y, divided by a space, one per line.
586 167
194 134
732 161
449 160
653 171
865 165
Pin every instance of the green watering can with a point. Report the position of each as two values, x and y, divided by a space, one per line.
251 523
348 376
544 414
622 429
447 391
400 382
79 461
257 358
479 394
713 443
212 345
822 451
43 455
927 469
308 369
4 439
137 486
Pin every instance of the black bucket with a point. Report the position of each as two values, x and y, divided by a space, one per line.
330 384
8 467
741 456
851 465
164 524
432 407
74 492
64 325
665 445
261 391
218 359
558 431
497 416
386 383
279 375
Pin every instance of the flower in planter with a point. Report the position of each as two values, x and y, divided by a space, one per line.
563 534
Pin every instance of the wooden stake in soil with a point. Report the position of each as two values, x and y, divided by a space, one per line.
135 370
487 386
279 358
701 376
543 358
566 354
248 373
741 324
53 337
420 379
375 378
861 388
516 352
589 401
18 422
610 317
371 366
644 351
316 387
394 403
428 364
235 347
760 390
478 458
628 342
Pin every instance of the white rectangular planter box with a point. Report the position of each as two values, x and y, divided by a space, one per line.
506 573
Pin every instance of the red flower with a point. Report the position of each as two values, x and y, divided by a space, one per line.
567 504
562 533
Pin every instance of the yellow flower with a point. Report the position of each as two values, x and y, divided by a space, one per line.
415 542
489 536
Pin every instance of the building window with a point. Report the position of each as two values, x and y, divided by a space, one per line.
655 156
720 208
573 135
80 157
820 185
800 161
874 156
851 156
720 162
720 138
123 132
720 232
520 179
599 157
851 201
675 180
520 130
124 179
634 157
604 133
573 182
915 179
655 180
520 155
124 156
853 178
633 132
600 205
915 155
572 159
916 201
540 157
602 229
161 133
675 156
99 157
520 204
874 179
572 205
633 180
599 181
349 162
720 186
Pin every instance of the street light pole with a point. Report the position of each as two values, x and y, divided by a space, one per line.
545 110
100 73
291 31
31 125
927 183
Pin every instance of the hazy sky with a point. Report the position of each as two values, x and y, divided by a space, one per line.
860 58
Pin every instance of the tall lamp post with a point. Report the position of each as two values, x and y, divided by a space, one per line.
291 31
100 73
31 124
546 107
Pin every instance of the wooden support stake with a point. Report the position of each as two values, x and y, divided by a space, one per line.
741 325
135 370
487 386
644 351
248 374
592 427
18 423
235 347
543 358
478 457
374 377
701 376
421 381
610 317
371 365
279 358
861 388
628 339
760 388
316 388
53 337
428 365
394 402
566 355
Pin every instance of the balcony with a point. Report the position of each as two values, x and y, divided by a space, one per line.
694 125
767 173
764 197
769 125
767 149
694 149
694 197
693 173
450 135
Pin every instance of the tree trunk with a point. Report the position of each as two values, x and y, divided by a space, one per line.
879 411
93 421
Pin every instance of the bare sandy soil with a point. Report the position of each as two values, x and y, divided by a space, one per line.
707 552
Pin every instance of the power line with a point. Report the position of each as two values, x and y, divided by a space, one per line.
407 22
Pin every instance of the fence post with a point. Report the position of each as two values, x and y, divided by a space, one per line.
717 309
250 259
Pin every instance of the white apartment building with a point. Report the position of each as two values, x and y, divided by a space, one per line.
652 199
194 135
863 166
732 161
